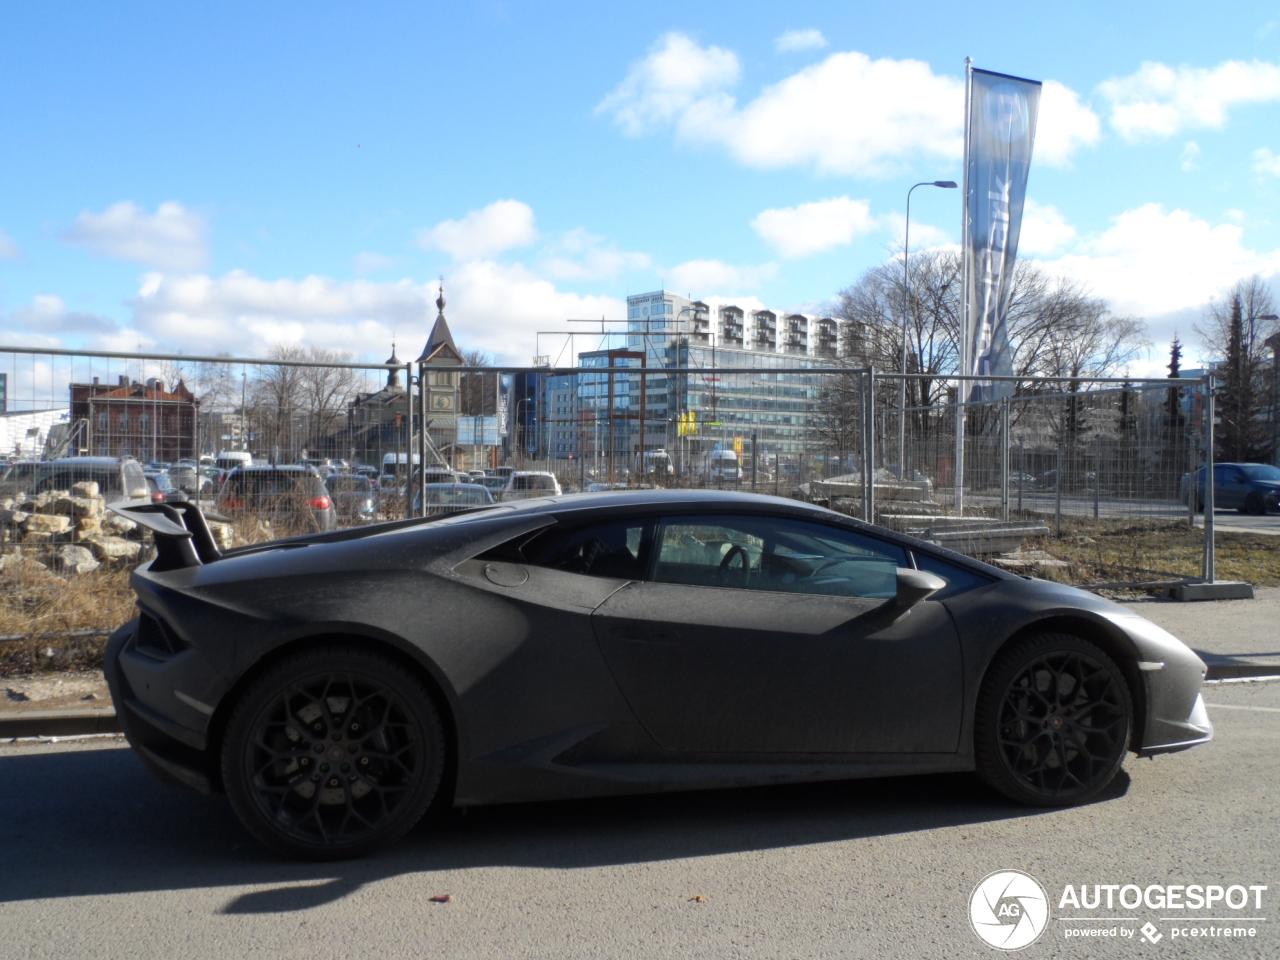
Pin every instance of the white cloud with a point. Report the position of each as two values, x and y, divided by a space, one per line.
367 262
9 249
580 255
1160 101
675 76
1266 162
700 275
48 314
500 226
1044 230
491 306
848 114
1190 157
172 238
794 40
924 236
1064 125
813 227
1152 261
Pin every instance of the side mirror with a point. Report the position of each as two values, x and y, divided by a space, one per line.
915 586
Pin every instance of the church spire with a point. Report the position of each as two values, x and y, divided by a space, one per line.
440 335
393 375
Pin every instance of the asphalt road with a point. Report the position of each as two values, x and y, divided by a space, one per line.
101 861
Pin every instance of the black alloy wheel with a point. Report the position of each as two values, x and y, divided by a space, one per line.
333 753
1053 721
1254 504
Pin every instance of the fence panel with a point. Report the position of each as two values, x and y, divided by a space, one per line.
1095 477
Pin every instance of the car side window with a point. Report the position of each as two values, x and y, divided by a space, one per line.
616 550
778 555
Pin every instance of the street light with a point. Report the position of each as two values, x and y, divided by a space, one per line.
906 303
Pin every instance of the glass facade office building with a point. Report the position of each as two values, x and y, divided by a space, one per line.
686 406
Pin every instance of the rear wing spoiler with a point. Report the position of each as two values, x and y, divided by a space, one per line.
182 534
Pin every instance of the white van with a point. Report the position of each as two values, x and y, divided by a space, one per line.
395 469
527 484
725 466
230 459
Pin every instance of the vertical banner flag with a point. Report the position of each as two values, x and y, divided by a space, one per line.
1002 130
504 401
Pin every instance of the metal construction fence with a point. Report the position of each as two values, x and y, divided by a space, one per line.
1063 458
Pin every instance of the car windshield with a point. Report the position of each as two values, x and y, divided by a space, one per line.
451 494
533 483
337 484
269 482
1261 471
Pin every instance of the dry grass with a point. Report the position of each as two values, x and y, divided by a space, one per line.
1100 551
36 602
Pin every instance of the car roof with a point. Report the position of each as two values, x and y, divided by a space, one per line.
88 461
283 468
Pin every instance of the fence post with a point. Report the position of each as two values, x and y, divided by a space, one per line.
1057 493
754 435
1004 460
1097 478
870 502
1210 561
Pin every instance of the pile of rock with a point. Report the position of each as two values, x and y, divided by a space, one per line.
74 532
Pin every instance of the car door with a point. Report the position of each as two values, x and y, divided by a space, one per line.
1228 486
771 635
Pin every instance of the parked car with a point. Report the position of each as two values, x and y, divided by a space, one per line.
504 472
618 643
17 478
353 497
524 484
452 497
291 497
163 489
118 478
1248 487
495 485
189 479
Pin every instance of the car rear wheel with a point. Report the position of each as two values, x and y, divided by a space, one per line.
333 753
1053 721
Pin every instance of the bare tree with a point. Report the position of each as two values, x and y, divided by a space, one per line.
276 401
326 393
476 391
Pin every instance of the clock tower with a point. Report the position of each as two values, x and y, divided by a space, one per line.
439 381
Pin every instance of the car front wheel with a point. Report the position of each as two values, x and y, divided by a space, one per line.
1053 720
333 753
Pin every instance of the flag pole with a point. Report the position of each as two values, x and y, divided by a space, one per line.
962 362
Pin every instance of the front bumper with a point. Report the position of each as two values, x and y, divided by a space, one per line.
1197 724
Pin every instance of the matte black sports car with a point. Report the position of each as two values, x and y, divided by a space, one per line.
335 684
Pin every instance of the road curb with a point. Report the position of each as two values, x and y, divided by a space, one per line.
58 723
1237 671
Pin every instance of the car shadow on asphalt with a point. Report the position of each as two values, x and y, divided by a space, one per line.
93 822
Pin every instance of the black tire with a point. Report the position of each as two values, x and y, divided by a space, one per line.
1254 504
333 753
1052 744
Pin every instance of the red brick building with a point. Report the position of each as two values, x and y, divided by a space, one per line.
132 419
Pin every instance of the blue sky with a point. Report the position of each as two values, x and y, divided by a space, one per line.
227 177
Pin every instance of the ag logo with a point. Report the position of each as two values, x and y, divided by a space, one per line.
1009 910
